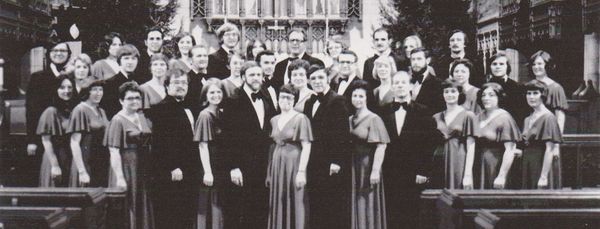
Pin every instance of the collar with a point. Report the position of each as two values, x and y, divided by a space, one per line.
124 73
150 53
458 56
226 49
387 52
301 56
426 74
249 91
350 78
408 101
54 69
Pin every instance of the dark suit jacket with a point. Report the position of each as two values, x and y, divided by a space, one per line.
331 135
172 143
218 63
37 99
431 95
335 84
110 99
142 71
442 69
192 99
401 64
515 102
249 148
281 68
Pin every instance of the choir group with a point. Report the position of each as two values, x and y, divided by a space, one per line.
231 140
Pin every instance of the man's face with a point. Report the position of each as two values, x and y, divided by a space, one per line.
499 67
59 54
267 63
409 45
381 41
401 85
154 41
200 58
418 61
318 81
457 42
178 86
296 43
347 64
253 77
129 63
230 39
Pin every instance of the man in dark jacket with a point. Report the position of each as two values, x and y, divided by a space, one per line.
297 49
218 62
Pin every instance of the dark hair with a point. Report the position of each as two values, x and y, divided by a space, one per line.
421 49
127 50
298 64
263 53
497 89
536 85
104 45
204 92
84 94
247 65
348 52
452 83
174 73
55 42
157 29
251 46
451 33
131 86
364 85
62 105
156 57
290 89
550 65
466 62
382 29
313 68
299 30
496 56
178 38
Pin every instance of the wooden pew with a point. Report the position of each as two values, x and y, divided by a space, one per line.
538 218
458 208
117 215
34 217
92 202
428 215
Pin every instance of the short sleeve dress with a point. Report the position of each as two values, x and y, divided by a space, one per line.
91 123
535 135
557 100
491 137
210 209
455 145
288 204
132 140
151 97
368 201
54 123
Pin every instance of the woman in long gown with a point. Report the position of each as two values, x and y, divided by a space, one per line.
369 140
127 138
234 81
154 90
541 136
556 101
497 135
87 127
207 133
286 176
108 67
383 70
457 125
461 72
52 126
298 70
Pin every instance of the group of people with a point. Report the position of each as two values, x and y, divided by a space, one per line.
231 140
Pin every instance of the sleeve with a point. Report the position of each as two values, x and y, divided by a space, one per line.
468 129
557 100
550 131
115 134
508 130
80 121
97 71
302 129
377 132
49 123
203 131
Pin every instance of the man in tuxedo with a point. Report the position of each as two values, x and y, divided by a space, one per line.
218 62
197 77
347 73
175 161
297 49
382 41
154 43
427 89
515 95
329 171
266 60
246 123
407 163
127 57
457 42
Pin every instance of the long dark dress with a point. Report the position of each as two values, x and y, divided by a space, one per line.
535 136
368 201
90 123
490 145
210 209
288 204
133 143
54 123
455 145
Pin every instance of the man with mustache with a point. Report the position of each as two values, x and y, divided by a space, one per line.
382 41
427 89
457 43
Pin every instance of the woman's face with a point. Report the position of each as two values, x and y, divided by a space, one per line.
214 95
461 74
158 69
534 98
489 99
185 44
384 70
451 95
129 63
82 70
499 66
114 46
539 67
132 101
65 91
409 45
236 65
359 98
96 94
298 78
59 54
257 48
286 101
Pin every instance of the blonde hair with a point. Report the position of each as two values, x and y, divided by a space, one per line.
384 60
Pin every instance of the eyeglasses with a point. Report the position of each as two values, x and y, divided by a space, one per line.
296 41
133 98
59 50
346 62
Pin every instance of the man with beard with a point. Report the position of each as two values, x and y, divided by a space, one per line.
197 77
218 62
427 89
347 73
297 49
382 41
266 60
246 123
328 170
457 42
175 160
154 43
127 57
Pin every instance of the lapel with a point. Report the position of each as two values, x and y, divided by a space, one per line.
323 106
392 125
246 102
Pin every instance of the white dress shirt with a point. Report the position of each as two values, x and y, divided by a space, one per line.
316 105
400 115
259 106
344 85
417 87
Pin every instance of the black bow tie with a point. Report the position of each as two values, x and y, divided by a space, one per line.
267 83
342 79
320 97
397 105
290 59
417 77
256 96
